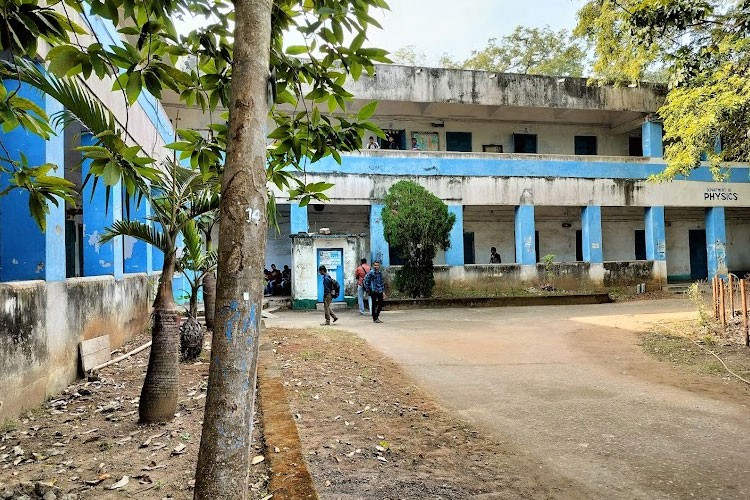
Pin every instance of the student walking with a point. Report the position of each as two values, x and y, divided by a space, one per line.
375 286
360 273
328 292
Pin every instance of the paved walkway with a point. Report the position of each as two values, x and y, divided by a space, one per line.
570 386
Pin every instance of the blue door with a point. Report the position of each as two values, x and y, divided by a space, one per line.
333 259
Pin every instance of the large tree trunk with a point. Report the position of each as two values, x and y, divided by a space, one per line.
223 460
158 401
209 298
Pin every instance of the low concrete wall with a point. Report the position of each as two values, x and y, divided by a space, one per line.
41 325
493 279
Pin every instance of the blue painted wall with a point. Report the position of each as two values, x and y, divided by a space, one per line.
136 253
25 252
656 236
591 229
379 249
100 259
525 235
298 218
716 242
417 164
454 256
653 146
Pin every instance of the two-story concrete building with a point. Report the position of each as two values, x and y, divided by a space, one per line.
531 165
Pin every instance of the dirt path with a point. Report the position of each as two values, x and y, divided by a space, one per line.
571 387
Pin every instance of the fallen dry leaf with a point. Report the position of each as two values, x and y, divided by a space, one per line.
120 484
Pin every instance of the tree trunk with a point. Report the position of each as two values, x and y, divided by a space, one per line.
193 307
209 298
223 460
158 401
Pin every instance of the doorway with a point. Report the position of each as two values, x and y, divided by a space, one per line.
469 255
333 259
698 254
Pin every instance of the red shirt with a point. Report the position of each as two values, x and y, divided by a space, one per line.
361 272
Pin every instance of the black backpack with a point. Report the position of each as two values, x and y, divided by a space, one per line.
335 287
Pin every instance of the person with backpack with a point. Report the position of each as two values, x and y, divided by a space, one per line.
360 274
375 286
331 289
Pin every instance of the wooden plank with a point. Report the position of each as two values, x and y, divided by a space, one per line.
95 352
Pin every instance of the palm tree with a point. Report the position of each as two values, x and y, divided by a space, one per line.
178 196
196 262
206 225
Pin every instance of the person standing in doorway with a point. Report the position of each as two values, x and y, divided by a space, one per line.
375 286
414 144
360 273
327 296
494 256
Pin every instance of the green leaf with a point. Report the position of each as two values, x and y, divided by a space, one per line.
367 110
134 87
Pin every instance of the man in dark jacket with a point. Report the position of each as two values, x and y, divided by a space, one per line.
375 286
327 296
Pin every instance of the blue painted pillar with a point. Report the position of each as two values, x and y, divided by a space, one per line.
656 236
454 256
298 219
591 229
716 242
379 249
25 252
525 235
136 253
100 259
651 137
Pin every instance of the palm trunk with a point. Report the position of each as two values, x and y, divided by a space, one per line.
209 298
193 308
158 401
224 457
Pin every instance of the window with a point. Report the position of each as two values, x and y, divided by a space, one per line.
640 244
585 144
524 143
635 147
458 141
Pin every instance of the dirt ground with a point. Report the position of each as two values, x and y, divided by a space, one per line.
368 430
87 439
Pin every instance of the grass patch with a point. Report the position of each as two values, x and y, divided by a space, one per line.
8 426
675 343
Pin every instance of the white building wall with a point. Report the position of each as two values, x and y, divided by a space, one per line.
492 227
279 244
679 223
738 240
619 225
557 191
551 138
553 237
340 219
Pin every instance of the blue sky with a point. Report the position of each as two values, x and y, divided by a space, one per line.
456 27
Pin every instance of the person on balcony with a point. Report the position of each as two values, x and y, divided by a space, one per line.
373 144
494 256
414 144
